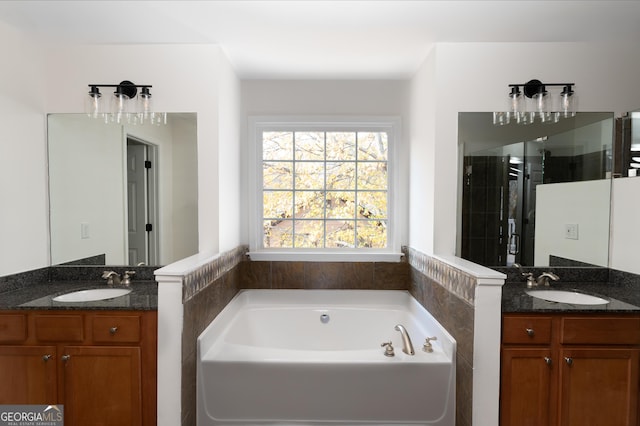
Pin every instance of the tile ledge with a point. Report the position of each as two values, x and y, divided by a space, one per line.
484 275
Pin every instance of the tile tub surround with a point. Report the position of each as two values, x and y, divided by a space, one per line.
434 285
449 292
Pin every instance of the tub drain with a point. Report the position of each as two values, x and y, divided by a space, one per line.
324 318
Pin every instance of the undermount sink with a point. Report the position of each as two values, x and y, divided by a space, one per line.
92 295
567 296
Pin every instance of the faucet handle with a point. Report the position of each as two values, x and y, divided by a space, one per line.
531 281
128 275
428 347
388 351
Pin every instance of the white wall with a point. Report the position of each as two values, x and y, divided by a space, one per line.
422 164
23 194
475 76
328 98
625 229
229 164
585 204
184 203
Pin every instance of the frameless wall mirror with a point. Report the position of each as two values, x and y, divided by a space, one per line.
536 194
122 194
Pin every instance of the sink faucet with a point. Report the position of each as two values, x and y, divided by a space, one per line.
112 277
407 346
543 279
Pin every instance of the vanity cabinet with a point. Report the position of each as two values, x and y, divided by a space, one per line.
101 365
570 370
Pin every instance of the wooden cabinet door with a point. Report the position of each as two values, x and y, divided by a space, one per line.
28 375
525 387
599 387
102 386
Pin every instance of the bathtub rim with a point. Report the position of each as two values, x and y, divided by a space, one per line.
273 297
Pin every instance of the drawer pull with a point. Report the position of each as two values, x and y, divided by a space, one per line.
530 332
547 360
568 360
46 357
113 330
66 358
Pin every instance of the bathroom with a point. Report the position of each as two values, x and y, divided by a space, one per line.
43 77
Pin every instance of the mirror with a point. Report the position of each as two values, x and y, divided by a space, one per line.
536 194
122 194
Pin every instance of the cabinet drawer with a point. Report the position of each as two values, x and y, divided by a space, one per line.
116 328
59 328
526 330
602 330
13 328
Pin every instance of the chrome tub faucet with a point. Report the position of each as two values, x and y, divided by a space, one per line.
407 346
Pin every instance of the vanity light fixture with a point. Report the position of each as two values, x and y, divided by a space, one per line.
534 103
125 106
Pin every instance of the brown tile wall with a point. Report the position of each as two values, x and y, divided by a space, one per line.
325 275
456 316
198 313
214 288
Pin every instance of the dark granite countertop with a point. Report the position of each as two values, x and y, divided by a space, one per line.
624 298
144 296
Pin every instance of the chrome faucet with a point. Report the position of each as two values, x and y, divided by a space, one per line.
543 279
407 346
112 277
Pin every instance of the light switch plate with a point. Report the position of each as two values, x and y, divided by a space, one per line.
571 231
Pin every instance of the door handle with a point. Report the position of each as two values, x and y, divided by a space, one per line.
514 244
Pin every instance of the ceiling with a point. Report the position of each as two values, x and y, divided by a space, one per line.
324 39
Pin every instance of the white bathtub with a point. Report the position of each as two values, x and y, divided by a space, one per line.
314 357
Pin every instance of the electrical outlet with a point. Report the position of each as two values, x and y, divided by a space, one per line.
571 231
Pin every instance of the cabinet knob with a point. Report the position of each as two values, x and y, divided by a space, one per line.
113 330
66 358
547 360
568 360
46 357
530 332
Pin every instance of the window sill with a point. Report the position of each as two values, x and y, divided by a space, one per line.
280 256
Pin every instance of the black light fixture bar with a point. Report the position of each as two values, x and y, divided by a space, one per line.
532 87
125 87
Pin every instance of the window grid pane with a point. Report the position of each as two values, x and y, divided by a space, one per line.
331 190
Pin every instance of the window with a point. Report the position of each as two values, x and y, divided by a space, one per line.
324 187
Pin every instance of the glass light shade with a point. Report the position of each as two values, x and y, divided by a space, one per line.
541 101
501 118
120 107
145 106
94 104
516 104
568 102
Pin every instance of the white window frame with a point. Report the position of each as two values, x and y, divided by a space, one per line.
259 124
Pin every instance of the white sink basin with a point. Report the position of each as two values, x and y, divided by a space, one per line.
92 295
565 296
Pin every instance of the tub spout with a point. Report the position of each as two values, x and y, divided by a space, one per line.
407 346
